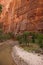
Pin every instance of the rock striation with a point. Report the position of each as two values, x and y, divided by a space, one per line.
19 15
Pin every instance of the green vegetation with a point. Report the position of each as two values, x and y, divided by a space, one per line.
23 38
0 8
30 38
40 40
4 36
31 48
26 39
33 38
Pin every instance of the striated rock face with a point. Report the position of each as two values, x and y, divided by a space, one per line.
19 15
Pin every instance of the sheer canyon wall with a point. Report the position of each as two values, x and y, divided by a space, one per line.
22 15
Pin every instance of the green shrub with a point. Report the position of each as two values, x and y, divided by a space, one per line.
23 38
1 31
7 36
19 38
40 40
0 8
26 33
11 35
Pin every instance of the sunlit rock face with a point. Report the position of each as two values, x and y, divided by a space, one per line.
19 15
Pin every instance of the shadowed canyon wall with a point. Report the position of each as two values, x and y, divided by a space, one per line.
18 15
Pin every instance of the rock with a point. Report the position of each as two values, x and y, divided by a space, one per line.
22 16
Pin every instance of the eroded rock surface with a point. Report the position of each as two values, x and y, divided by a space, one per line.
18 16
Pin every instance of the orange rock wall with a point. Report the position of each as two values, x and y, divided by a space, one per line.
19 15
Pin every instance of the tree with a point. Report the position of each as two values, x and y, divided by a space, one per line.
33 37
23 38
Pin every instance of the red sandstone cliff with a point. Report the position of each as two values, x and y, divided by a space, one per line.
19 15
